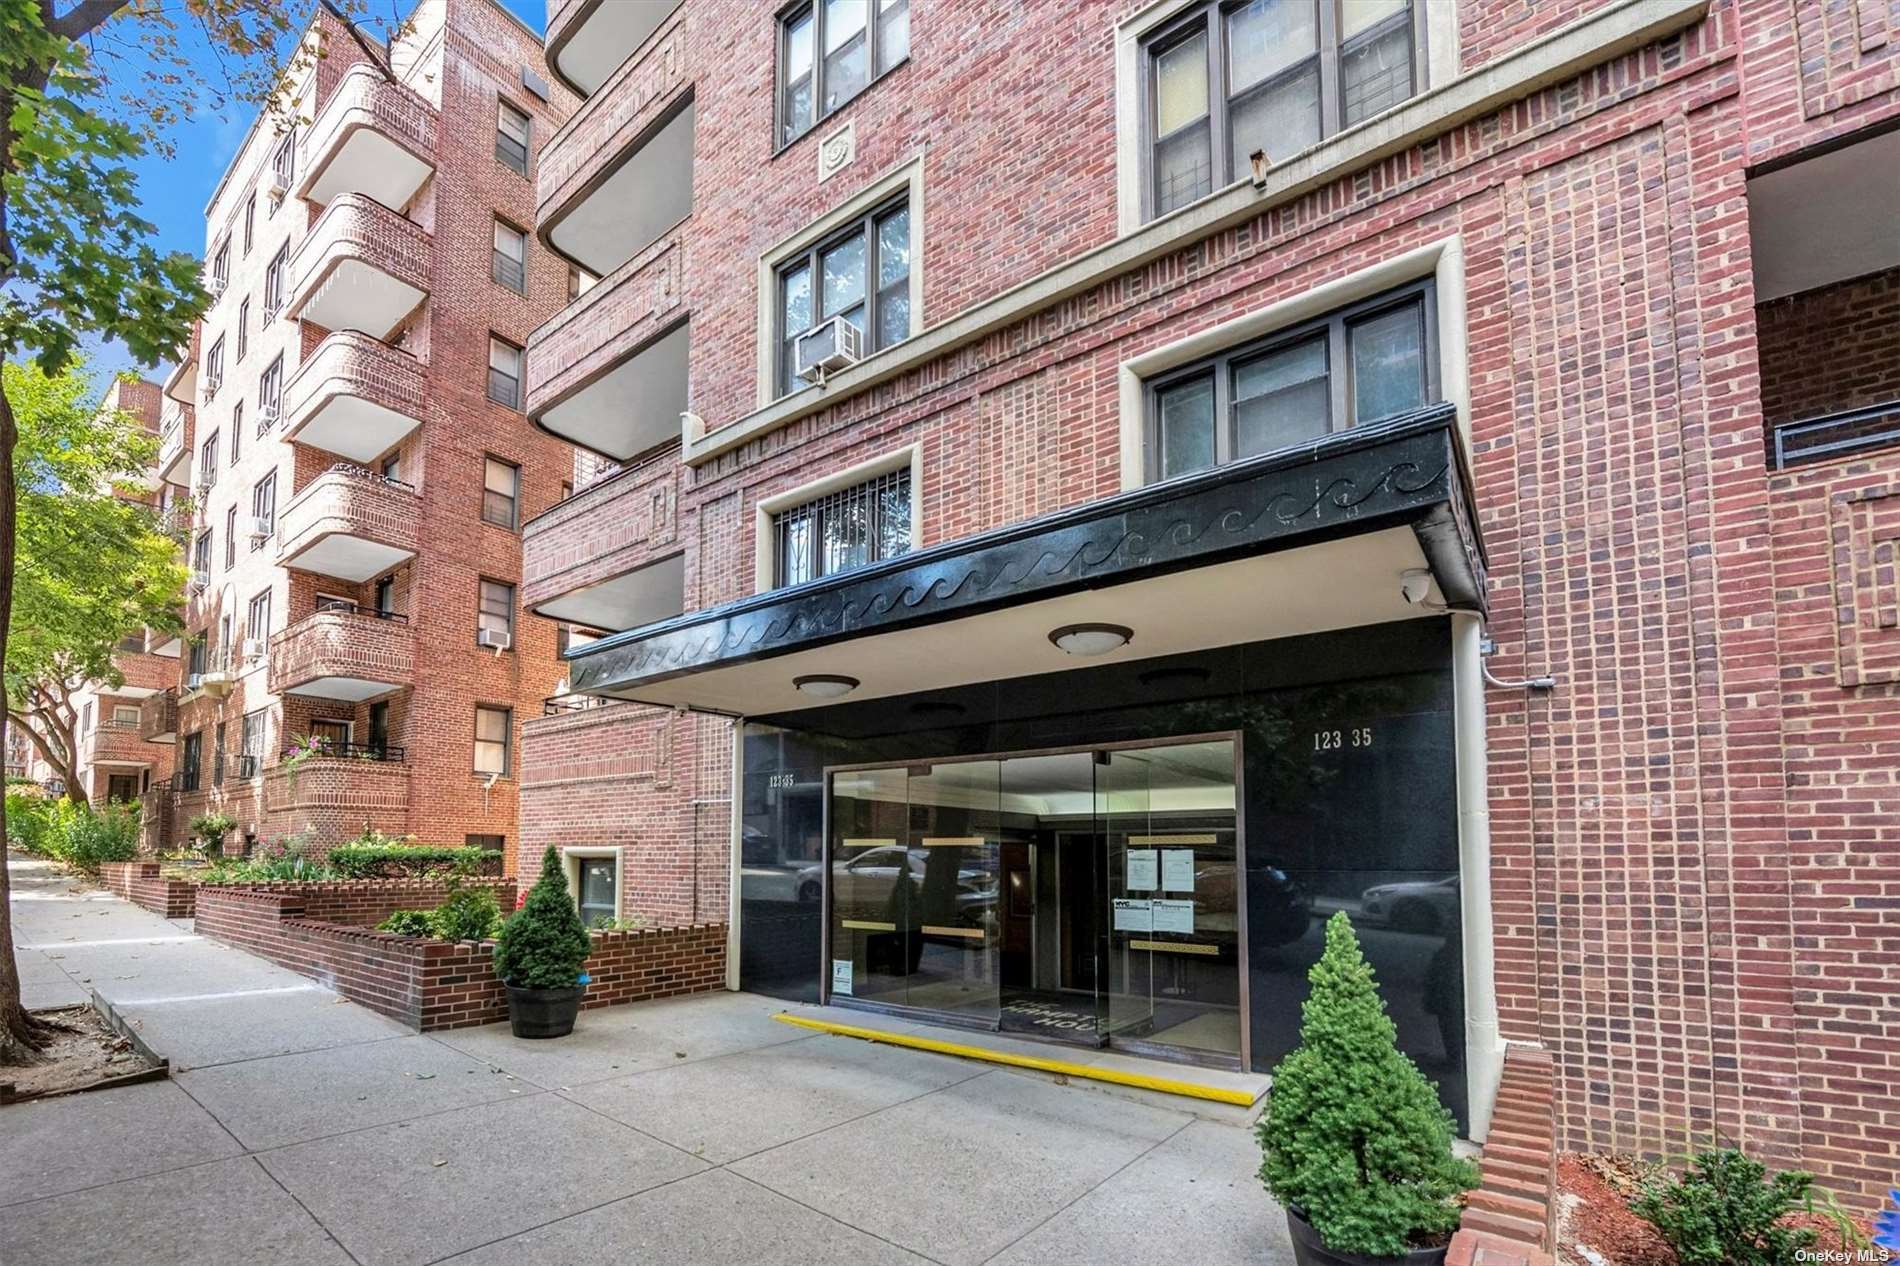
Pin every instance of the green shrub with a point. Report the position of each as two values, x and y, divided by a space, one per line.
467 914
108 835
544 944
1724 1209
409 923
209 829
1354 1137
401 861
29 822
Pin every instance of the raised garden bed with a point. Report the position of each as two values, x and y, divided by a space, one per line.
149 885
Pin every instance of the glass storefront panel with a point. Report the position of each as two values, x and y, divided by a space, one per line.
955 834
871 877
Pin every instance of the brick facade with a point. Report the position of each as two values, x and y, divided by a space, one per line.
141 884
411 514
326 931
1692 836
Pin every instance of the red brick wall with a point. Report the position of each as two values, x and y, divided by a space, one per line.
1514 1207
141 884
321 931
1827 350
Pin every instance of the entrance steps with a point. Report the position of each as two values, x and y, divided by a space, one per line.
1232 1098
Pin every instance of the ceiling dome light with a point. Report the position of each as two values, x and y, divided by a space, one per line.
1091 639
825 685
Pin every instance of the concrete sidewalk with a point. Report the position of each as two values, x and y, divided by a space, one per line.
301 1128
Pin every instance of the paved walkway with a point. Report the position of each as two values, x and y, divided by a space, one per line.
301 1128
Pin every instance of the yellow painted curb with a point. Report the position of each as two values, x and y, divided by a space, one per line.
1162 1085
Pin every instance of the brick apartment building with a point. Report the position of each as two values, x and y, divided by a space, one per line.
111 760
1435 461
356 460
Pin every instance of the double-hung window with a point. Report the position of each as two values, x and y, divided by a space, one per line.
190 762
251 743
237 430
214 368
250 222
495 609
861 273
221 268
284 165
504 372
274 281
244 328
844 529
509 263
270 394
492 726
1362 363
257 619
1276 76
512 129
831 50
230 538
501 493
208 461
263 510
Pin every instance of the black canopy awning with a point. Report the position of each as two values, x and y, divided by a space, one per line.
1407 472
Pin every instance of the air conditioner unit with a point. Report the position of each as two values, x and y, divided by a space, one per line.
267 415
827 347
251 648
194 681
199 582
279 184
493 639
261 528
211 387
215 285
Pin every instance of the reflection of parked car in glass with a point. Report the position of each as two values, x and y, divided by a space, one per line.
865 883
1422 906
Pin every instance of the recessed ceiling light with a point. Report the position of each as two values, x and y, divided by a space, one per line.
1091 639
825 685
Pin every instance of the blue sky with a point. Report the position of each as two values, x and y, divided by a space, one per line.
174 191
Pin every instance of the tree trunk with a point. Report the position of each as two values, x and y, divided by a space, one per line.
50 737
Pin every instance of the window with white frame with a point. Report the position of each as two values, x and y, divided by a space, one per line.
492 739
851 527
1225 80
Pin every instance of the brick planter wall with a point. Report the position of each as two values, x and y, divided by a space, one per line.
141 884
1508 1219
324 931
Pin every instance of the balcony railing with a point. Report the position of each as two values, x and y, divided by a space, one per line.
350 751
350 523
560 705
1832 436
362 267
374 136
354 396
342 653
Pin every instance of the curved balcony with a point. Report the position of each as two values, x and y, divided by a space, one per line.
609 557
341 654
365 784
349 523
619 173
158 718
363 267
588 40
373 136
354 396
114 742
608 372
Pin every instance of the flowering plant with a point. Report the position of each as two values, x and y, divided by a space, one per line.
1887 1222
301 750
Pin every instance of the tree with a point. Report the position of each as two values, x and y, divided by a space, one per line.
84 92
90 564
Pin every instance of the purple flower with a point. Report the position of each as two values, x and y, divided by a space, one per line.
1887 1222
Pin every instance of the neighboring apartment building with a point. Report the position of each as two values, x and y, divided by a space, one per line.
1437 461
359 463
111 761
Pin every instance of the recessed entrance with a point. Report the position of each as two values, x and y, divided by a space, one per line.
1087 896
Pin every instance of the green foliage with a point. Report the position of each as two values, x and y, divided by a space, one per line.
467 914
230 871
72 833
398 861
409 923
619 923
1724 1209
1354 1137
544 944
209 829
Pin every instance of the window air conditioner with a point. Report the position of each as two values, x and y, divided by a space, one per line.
252 648
200 581
827 347
261 528
195 681
493 639
279 184
215 285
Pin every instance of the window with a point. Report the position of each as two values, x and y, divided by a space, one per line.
252 739
495 609
493 842
198 658
214 368
844 529
221 267
230 538
263 509
509 266
829 51
283 164
501 489
379 727
217 755
85 718
392 467
334 735
1362 363
190 762
274 281
512 129
492 726
237 429
594 890
569 638
208 461
1272 75
270 395
504 372
861 273
244 328
257 619
386 596
334 602
250 222
124 714
201 553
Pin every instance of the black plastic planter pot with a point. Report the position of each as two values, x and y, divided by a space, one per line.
543 1012
1308 1251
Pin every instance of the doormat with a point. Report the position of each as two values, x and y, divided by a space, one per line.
1039 1013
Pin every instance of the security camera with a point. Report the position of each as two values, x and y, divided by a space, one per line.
1415 585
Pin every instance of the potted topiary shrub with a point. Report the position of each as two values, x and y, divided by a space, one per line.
539 954
1355 1143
